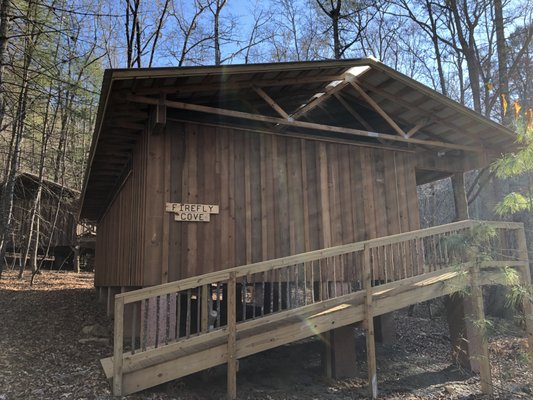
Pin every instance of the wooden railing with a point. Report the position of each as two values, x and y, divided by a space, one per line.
176 311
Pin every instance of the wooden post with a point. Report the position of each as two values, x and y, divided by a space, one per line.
109 302
327 354
76 259
339 353
459 197
369 326
232 320
526 281
118 343
481 351
204 303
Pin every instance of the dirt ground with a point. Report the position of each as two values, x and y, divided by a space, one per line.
44 354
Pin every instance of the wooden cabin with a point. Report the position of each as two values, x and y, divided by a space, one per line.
282 183
56 219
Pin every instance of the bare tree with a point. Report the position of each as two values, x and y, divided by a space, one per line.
347 20
31 34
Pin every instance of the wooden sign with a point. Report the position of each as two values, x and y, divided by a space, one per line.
192 212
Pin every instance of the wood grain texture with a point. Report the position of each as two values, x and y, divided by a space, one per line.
277 195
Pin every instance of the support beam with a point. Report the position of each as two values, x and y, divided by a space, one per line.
318 100
158 116
369 326
271 102
339 354
479 340
459 196
416 108
302 124
354 113
420 124
385 328
378 109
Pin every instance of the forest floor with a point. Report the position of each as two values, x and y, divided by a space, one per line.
44 354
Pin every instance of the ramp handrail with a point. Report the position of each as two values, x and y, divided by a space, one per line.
221 300
314 255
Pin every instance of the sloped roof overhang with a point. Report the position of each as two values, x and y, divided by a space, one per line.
359 101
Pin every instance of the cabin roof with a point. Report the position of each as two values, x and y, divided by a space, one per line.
30 182
357 100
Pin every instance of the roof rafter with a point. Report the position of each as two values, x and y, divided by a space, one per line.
318 100
301 124
270 102
354 113
378 109
392 97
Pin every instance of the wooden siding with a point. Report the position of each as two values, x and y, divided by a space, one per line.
277 195
129 239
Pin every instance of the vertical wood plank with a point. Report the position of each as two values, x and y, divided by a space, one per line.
248 205
264 199
232 200
256 197
225 211
239 198
166 216
210 262
192 197
368 195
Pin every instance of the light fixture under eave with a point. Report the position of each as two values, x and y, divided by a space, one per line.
354 72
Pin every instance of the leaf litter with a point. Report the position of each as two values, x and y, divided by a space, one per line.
45 354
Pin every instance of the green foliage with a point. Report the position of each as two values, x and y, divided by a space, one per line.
512 203
470 245
483 325
518 165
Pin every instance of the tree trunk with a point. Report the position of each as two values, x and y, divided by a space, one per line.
7 196
4 20
503 78
35 249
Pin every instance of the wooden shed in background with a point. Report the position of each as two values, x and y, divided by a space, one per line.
197 170
56 217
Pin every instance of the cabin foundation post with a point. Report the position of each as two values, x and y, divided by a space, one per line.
101 294
111 292
385 328
339 354
76 259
